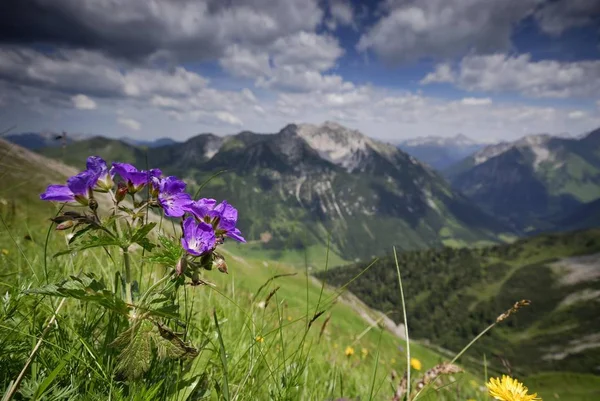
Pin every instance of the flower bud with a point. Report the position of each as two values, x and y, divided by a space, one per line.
181 266
121 192
93 203
64 225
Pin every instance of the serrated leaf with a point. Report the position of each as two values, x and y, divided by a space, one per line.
142 232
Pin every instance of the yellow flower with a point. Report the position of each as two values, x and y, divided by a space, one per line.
260 339
349 351
5 252
509 389
364 352
415 363
393 360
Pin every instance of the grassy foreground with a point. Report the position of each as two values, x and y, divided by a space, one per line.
267 352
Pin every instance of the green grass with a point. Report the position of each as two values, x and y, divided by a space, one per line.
565 386
290 363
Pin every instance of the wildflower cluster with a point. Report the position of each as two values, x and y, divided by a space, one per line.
204 222
152 316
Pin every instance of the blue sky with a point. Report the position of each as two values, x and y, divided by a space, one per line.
394 69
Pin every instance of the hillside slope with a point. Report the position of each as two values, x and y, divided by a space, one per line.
453 293
296 187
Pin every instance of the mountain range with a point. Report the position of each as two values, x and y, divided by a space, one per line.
534 182
308 185
441 152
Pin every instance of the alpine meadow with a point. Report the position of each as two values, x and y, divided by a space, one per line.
299 200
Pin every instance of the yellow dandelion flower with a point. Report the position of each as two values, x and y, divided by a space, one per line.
349 351
415 363
260 339
5 252
364 352
509 389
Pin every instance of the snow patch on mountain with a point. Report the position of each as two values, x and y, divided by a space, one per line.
340 145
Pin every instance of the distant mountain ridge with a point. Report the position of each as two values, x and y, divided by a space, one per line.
306 181
39 140
441 152
532 180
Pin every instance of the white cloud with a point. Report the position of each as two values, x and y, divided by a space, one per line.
411 30
577 114
540 79
442 73
293 63
291 79
130 123
228 118
393 115
308 50
342 13
473 101
246 63
555 17
82 102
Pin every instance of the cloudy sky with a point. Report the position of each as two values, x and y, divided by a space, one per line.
491 69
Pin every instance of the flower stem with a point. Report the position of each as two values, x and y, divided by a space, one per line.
127 261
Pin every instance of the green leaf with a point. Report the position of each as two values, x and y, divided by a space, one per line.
140 236
79 233
88 289
142 232
92 241
169 253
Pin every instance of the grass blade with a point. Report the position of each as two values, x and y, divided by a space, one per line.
223 358
405 324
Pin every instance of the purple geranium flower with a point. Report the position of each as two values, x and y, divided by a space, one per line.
78 188
223 216
172 196
136 179
98 167
198 237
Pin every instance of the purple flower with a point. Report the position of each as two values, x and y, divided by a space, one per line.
78 188
58 193
227 221
97 166
172 196
223 217
198 237
136 179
